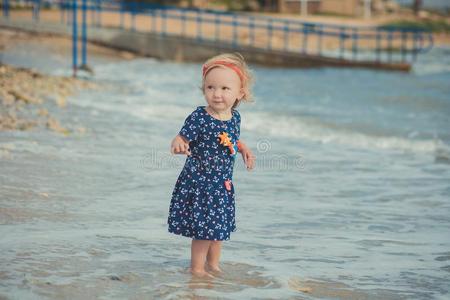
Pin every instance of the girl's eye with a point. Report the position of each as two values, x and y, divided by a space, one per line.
225 88
209 87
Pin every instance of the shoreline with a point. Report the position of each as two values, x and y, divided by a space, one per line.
22 87
26 95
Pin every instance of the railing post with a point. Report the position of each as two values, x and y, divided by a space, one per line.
341 42
134 8
154 16
355 43
99 13
414 51
122 14
378 46
91 9
286 37
61 11
319 40
235 36
430 39
403 46
217 27
199 26
164 21
36 10
84 35
74 38
69 7
6 8
269 30
183 18
390 45
305 38
252 31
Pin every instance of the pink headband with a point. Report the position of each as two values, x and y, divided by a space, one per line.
232 66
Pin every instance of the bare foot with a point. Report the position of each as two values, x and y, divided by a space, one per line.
305 289
201 274
214 269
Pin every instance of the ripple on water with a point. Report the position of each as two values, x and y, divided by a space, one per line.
236 277
386 227
337 290
381 243
443 257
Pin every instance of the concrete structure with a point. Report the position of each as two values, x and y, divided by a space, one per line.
188 49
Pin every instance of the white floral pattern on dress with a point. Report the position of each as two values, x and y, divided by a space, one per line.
201 206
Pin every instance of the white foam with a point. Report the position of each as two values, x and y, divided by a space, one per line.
311 130
436 61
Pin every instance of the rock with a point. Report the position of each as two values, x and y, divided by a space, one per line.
126 55
54 125
24 97
61 101
43 112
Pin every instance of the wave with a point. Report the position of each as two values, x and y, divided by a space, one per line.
437 61
282 125
316 131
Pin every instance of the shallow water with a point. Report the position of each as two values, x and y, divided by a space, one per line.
349 200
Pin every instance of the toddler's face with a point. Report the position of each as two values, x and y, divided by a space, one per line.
222 88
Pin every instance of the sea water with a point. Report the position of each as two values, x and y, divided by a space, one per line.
350 197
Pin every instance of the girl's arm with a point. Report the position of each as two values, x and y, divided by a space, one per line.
180 145
247 155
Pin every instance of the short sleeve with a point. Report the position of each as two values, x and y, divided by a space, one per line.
238 124
191 127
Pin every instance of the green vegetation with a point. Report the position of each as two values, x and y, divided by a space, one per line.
432 25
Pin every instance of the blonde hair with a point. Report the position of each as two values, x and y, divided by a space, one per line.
237 60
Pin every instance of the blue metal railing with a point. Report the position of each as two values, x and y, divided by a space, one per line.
246 30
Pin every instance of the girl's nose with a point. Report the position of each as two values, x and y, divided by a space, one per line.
217 93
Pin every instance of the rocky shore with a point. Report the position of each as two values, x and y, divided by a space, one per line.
25 95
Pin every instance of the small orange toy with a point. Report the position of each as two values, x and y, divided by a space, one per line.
225 140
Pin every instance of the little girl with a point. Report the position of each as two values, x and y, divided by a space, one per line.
203 200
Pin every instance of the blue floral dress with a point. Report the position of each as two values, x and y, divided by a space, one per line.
203 201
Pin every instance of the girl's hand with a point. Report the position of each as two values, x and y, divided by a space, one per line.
180 146
247 155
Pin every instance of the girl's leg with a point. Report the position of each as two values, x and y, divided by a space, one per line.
199 250
213 256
